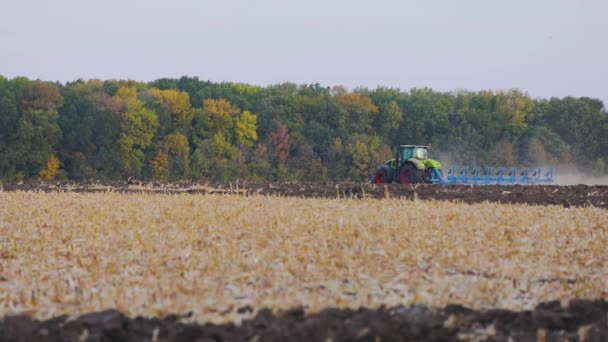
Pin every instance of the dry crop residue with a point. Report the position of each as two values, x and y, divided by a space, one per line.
151 254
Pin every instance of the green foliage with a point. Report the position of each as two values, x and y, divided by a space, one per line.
361 161
187 128
199 166
516 107
137 128
389 120
9 116
366 154
172 158
36 133
29 127
90 126
220 146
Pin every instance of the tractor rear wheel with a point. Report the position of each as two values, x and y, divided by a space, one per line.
409 174
382 175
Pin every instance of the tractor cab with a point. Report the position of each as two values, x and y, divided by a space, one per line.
412 151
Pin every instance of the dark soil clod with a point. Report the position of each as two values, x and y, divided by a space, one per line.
580 320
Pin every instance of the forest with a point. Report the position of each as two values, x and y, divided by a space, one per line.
190 129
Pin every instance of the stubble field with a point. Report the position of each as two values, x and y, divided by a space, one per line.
222 258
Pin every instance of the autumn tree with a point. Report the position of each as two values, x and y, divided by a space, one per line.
336 159
51 170
259 167
222 116
199 165
137 127
223 163
173 108
366 153
245 129
280 143
187 127
516 107
360 162
171 160
200 126
361 112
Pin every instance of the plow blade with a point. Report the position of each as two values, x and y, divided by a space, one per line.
489 175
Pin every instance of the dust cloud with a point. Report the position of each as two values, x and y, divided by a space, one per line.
573 178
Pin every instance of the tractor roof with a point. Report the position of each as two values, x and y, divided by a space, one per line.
415 146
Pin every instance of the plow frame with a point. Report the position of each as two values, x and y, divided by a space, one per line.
488 177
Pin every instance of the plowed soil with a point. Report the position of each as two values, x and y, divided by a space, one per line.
567 196
580 321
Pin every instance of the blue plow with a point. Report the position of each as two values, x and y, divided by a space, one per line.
487 176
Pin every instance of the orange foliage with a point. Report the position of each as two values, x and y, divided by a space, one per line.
280 143
40 95
352 101
52 168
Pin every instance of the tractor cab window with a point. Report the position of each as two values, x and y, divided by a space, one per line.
420 153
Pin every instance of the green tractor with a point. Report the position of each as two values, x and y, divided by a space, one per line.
410 166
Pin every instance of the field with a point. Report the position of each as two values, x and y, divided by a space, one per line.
157 251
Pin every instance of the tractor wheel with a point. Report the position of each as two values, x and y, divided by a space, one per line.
409 174
382 175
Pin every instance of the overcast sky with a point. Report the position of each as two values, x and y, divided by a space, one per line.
545 47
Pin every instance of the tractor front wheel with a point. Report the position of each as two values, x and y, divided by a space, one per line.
383 175
409 174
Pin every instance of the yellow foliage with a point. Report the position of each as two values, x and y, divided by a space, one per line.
177 102
177 143
89 86
160 166
220 107
246 126
515 106
246 89
52 168
127 93
223 117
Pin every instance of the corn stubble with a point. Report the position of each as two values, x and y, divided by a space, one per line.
152 255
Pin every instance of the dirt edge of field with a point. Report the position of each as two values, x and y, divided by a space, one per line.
566 196
550 321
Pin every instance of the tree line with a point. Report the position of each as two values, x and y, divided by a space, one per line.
186 128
